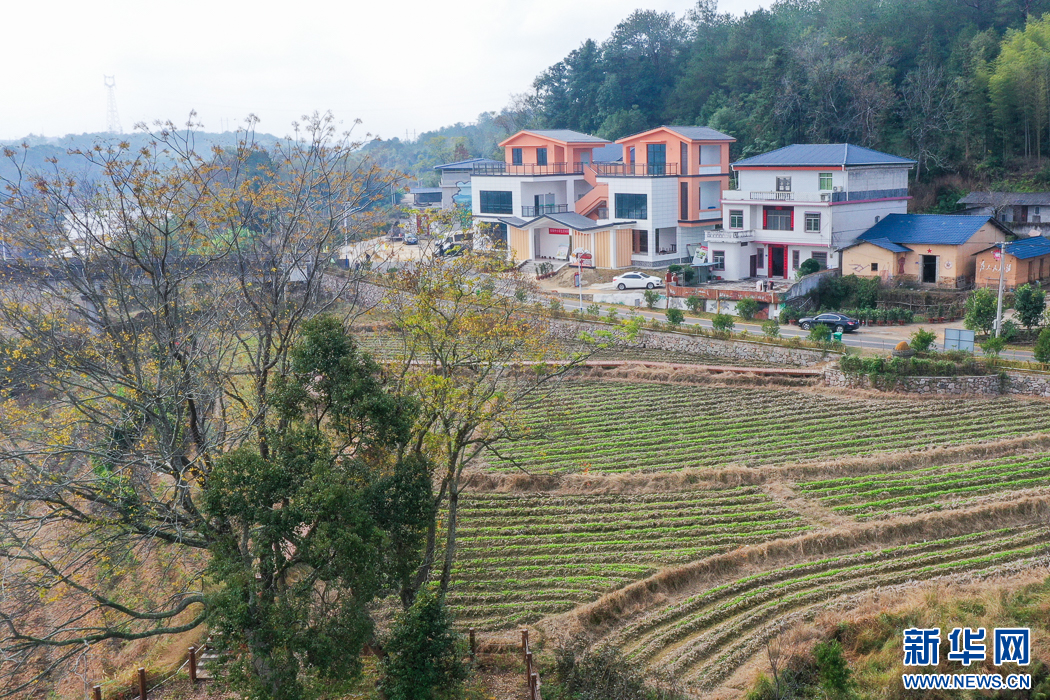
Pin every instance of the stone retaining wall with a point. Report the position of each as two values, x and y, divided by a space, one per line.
703 345
1017 383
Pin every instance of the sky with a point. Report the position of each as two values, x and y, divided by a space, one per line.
401 66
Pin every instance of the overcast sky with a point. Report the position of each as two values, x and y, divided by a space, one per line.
398 65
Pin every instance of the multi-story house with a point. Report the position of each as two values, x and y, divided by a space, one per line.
647 209
801 202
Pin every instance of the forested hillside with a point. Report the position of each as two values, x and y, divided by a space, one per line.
963 86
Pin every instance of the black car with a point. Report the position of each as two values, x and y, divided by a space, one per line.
836 322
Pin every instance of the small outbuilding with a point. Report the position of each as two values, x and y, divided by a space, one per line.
930 249
1027 260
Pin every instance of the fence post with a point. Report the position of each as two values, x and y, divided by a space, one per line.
97 692
142 684
473 644
193 665
534 687
528 669
524 643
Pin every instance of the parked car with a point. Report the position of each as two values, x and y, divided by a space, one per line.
411 239
637 280
836 322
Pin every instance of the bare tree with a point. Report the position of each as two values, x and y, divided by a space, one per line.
146 337
932 112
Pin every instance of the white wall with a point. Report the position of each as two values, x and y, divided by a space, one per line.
851 220
710 194
877 179
530 189
738 258
548 243
710 154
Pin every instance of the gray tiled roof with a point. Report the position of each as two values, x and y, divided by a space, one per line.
1009 198
700 133
823 154
607 154
566 135
576 222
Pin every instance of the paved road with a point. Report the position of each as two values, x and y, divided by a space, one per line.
865 337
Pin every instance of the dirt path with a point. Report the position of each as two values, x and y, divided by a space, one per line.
784 494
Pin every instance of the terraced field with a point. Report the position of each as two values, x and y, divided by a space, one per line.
701 638
523 556
618 427
931 488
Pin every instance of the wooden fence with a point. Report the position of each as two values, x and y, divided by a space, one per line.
140 688
532 674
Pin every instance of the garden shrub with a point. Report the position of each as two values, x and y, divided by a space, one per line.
424 659
747 309
820 333
723 323
651 296
695 304
922 340
675 316
993 346
1042 346
771 329
809 266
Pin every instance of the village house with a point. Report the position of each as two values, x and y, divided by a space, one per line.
1024 213
931 249
1027 260
647 208
803 201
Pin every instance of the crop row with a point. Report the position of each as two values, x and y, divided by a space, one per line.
622 426
880 495
544 561
683 637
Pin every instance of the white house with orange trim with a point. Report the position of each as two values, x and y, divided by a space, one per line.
648 209
804 201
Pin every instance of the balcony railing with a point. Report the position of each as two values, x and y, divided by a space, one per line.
730 235
544 209
868 194
528 169
632 213
793 196
636 170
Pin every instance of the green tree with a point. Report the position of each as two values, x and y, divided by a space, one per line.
1042 346
1029 304
832 668
809 266
820 333
771 328
675 316
292 586
922 340
651 296
423 654
980 311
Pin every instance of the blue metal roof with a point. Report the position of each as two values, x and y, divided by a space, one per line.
888 245
1029 247
823 154
926 229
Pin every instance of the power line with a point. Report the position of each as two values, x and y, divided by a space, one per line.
112 118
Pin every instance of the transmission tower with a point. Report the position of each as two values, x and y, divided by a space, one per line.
112 118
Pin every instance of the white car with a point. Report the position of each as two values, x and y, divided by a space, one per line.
637 280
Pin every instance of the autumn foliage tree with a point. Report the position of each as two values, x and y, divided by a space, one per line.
148 326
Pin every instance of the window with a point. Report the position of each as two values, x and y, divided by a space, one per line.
515 156
736 218
825 181
877 219
783 184
794 259
821 258
541 156
683 202
656 155
779 218
813 222
496 202
631 206
685 163
760 257
718 257
874 267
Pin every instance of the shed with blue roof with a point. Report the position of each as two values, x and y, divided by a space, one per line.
931 249
1027 260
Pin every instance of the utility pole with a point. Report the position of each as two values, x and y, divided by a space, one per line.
999 307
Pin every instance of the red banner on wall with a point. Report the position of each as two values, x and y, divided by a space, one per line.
559 231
